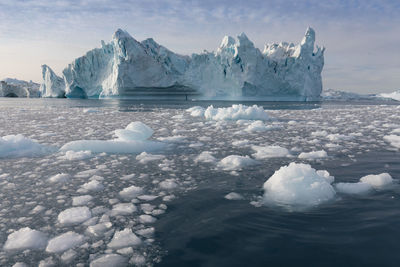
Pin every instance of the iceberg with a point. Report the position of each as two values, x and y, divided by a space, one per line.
18 88
126 67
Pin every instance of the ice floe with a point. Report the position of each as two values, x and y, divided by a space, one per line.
15 146
298 185
114 260
235 112
378 180
265 152
124 238
236 162
233 196
64 242
25 238
313 155
74 215
132 139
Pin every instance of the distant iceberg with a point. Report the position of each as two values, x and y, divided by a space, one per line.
237 70
18 88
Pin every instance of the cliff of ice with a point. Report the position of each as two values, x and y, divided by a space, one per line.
10 87
237 70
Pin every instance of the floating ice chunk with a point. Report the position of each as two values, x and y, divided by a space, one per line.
131 192
47 262
298 185
123 209
196 111
394 140
377 181
147 197
25 238
147 219
75 215
15 146
124 238
64 242
353 188
93 185
205 156
264 152
313 155
60 178
107 260
37 209
339 137
68 256
319 133
236 162
168 184
241 143
81 200
132 139
147 157
78 155
173 139
326 175
236 112
20 264
99 229
233 196
259 126
138 260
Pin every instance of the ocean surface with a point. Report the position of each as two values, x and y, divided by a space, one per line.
190 222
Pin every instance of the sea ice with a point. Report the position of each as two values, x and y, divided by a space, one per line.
60 178
233 196
74 215
15 146
81 200
196 111
377 181
131 192
353 188
64 242
313 155
394 140
236 112
264 152
168 184
93 185
25 238
77 155
236 162
124 238
144 157
123 209
107 260
205 156
132 139
147 219
298 185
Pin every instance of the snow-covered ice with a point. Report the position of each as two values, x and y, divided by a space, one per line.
378 180
298 185
124 238
313 155
25 238
74 215
236 162
64 242
14 146
236 112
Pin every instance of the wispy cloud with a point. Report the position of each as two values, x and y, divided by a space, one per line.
353 31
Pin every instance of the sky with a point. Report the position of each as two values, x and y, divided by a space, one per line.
362 37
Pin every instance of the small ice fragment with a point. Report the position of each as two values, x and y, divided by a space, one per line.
64 242
124 238
377 181
233 196
75 215
25 238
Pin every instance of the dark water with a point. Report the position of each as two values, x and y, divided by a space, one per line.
201 227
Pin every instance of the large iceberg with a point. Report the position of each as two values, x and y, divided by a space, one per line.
236 70
10 87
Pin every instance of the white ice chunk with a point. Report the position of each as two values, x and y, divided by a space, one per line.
93 185
144 157
264 152
131 192
75 215
15 146
123 209
168 184
378 181
25 238
205 156
353 188
313 155
81 200
394 140
236 162
108 260
78 155
124 238
196 111
233 196
64 242
236 112
60 178
298 185
147 219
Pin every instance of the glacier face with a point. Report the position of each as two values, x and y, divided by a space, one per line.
237 70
